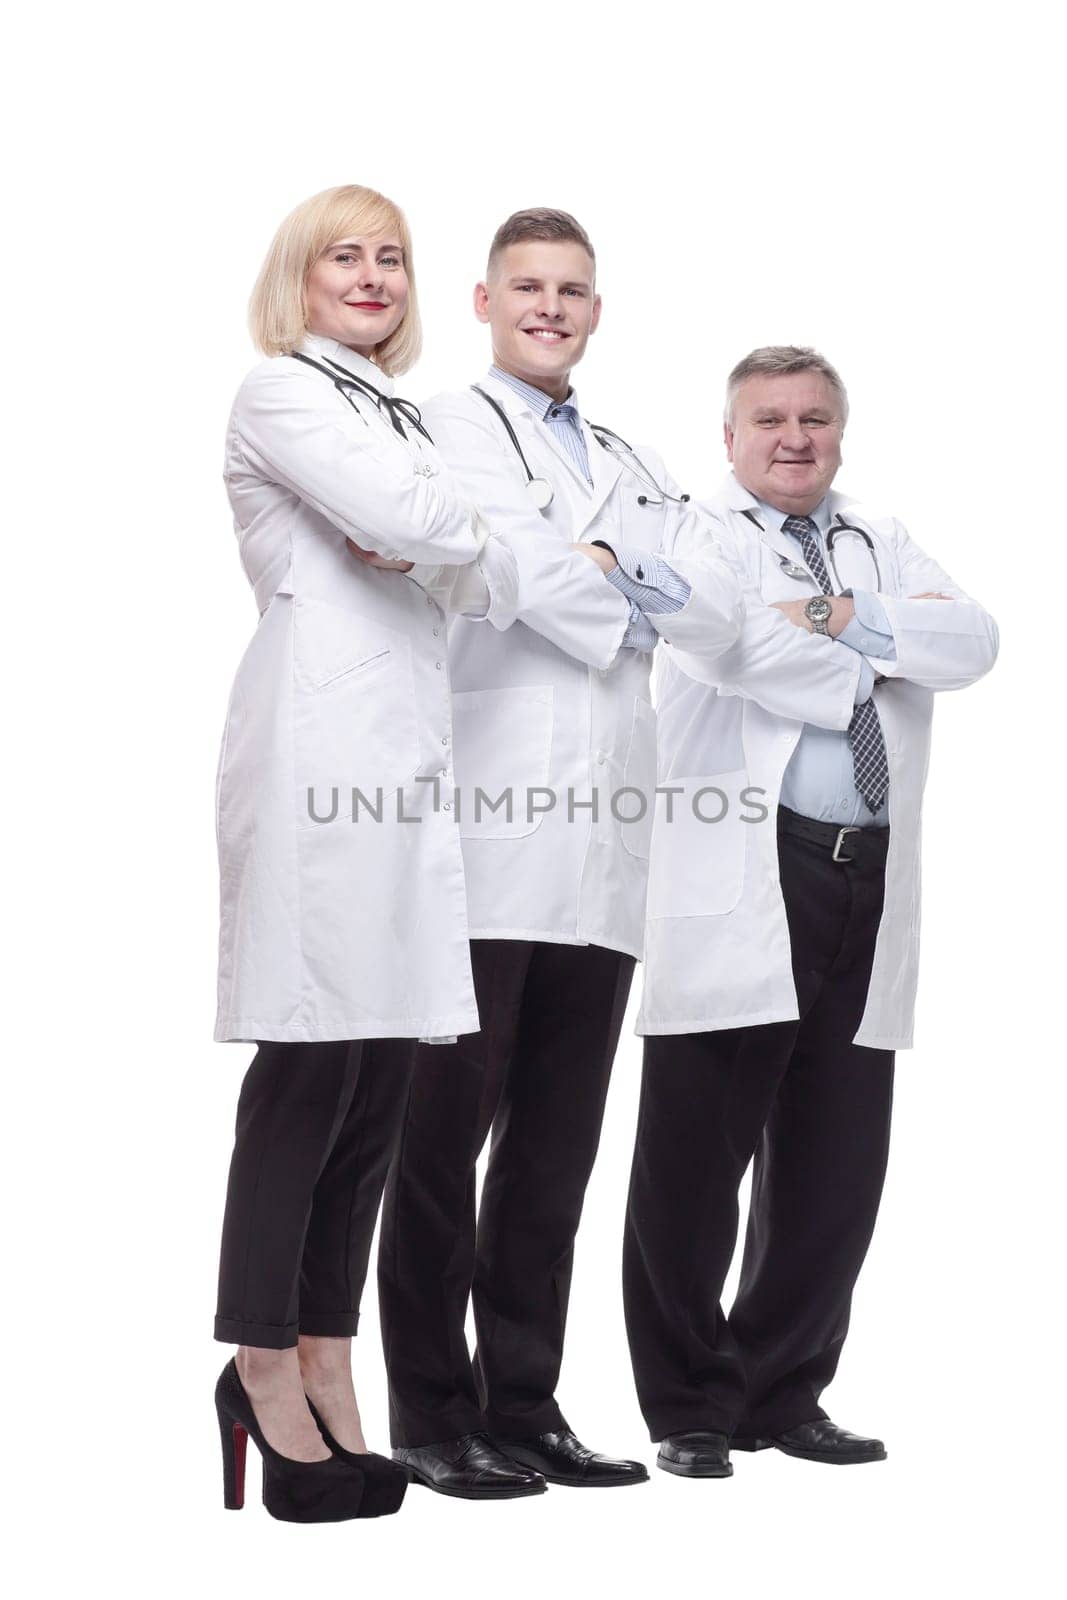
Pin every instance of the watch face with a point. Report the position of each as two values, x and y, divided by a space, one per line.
819 609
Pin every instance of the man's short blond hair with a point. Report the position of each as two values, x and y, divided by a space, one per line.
539 222
278 313
777 360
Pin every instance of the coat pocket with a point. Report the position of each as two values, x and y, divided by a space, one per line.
699 843
356 723
502 740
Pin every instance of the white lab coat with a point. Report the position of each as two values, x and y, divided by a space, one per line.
554 704
341 929
717 945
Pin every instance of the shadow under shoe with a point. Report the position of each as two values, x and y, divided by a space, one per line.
385 1481
293 1491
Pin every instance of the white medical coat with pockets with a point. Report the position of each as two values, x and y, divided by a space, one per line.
717 949
333 928
553 706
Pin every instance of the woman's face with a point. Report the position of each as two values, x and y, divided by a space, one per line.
357 292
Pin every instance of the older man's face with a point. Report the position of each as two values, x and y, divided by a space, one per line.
785 439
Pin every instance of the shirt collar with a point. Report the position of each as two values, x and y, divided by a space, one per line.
773 519
540 404
320 348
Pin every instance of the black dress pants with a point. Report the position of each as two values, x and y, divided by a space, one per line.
813 1109
537 1074
317 1125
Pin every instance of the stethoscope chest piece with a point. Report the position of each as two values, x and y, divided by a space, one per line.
540 492
793 569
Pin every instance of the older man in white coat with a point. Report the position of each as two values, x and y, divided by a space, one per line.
782 935
558 727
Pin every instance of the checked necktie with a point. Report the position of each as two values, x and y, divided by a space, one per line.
869 765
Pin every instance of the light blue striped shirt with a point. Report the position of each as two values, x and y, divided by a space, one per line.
559 416
646 580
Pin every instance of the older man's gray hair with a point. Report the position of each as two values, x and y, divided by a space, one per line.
777 360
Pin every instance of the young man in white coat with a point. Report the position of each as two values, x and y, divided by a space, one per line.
553 725
782 935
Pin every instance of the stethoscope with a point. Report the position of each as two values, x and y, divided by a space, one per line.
390 405
541 491
795 569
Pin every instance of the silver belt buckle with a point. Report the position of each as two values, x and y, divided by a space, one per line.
837 844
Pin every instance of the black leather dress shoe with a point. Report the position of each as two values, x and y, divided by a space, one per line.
696 1455
470 1468
560 1458
821 1440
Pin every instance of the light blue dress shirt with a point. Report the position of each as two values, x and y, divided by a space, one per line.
646 580
819 781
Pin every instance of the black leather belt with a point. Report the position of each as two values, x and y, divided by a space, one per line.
843 844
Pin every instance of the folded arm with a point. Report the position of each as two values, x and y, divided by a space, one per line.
291 431
558 593
942 639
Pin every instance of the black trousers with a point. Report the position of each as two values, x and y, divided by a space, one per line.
537 1074
317 1125
813 1109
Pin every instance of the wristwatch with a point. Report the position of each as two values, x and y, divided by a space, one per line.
818 611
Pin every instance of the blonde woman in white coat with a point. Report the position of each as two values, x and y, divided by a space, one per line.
343 912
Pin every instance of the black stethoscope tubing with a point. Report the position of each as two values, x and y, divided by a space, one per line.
794 569
541 489
393 407
601 434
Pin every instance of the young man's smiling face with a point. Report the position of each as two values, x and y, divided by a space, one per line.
541 303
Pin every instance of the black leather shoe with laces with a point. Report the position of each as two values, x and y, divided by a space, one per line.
560 1458
821 1440
470 1468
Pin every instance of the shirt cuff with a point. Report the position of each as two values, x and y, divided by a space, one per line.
640 634
647 581
869 631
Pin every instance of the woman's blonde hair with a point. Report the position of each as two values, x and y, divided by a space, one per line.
277 313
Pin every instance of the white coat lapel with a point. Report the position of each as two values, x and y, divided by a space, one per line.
606 468
745 507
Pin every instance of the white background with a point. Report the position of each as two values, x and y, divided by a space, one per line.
880 182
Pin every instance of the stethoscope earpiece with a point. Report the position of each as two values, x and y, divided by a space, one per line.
603 435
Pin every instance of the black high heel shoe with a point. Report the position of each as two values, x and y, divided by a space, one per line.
386 1481
293 1491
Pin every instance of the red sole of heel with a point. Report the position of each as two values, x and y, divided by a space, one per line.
240 1451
